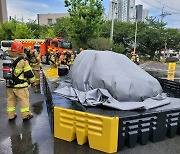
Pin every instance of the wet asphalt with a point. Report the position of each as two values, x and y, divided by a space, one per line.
35 136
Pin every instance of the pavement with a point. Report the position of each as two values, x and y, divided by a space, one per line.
160 70
35 136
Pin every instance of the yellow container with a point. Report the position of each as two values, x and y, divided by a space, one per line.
171 75
100 131
172 67
51 73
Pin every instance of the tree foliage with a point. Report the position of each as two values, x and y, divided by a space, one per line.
7 30
61 27
14 29
152 37
32 24
47 32
85 20
101 44
23 32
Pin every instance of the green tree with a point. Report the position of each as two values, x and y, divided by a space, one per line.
62 27
85 20
47 32
32 24
149 41
14 29
155 24
123 35
119 48
100 44
150 38
23 32
7 30
172 39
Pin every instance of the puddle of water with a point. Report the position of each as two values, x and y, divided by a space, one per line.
38 107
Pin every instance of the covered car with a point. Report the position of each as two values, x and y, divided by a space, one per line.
111 79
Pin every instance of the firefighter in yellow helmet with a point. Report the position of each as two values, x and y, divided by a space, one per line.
35 63
17 87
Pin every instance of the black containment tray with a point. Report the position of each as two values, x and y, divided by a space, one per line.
134 126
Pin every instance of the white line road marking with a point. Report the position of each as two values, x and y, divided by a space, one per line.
155 69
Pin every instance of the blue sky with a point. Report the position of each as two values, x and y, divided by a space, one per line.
30 8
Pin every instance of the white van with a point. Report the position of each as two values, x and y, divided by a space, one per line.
6 45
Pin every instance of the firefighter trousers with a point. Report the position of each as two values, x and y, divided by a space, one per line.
53 66
36 71
22 96
37 76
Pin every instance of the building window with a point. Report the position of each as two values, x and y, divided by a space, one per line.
49 21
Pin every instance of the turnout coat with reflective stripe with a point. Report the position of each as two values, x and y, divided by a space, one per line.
24 69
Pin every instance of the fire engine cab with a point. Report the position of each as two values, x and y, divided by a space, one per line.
45 46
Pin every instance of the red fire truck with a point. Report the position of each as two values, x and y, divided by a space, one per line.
45 46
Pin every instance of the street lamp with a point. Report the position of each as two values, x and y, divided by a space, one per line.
114 3
135 37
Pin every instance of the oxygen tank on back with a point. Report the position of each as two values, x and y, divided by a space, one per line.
7 69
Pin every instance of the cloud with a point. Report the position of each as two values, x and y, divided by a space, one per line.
30 8
170 6
25 9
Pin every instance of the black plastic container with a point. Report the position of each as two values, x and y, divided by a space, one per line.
138 126
63 70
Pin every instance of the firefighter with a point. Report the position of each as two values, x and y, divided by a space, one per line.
54 59
68 59
72 58
134 58
57 58
81 49
62 57
35 63
75 52
18 90
65 57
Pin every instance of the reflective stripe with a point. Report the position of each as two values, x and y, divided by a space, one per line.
32 64
36 69
27 68
32 79
18 71
25 109
25 84
11 109
21 77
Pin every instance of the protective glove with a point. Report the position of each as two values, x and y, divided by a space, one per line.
33 84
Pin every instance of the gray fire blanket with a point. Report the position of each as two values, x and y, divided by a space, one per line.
111 79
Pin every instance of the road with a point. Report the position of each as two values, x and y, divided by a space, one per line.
160 69
35 137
